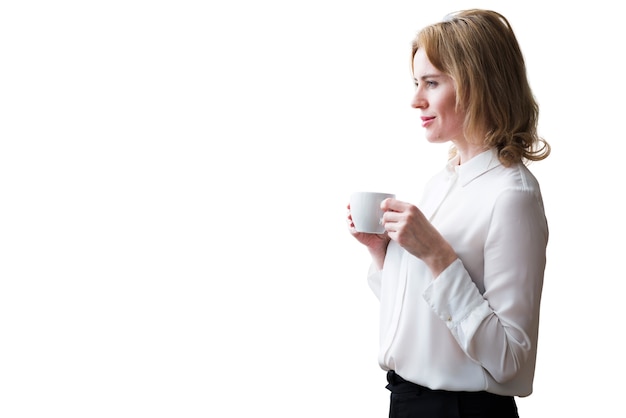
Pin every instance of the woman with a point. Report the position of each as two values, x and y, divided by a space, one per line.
459 277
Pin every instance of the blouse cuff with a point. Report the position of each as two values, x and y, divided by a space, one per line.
374 279
454 297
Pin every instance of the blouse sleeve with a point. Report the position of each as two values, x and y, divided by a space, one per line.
499 328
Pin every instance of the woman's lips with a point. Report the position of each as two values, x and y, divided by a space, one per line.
427 120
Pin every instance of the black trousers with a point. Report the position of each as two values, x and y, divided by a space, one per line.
409 400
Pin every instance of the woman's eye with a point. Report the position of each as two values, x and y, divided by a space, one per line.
427 83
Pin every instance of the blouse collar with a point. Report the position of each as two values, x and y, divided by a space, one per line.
473 168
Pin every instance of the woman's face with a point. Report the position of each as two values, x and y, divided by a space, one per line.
435 96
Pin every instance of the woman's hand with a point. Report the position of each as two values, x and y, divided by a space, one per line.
375 243
408 226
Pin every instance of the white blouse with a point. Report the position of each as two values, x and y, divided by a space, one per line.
475 326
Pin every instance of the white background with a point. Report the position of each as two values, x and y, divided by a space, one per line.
173 184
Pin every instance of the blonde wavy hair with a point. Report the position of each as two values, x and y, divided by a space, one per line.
479 50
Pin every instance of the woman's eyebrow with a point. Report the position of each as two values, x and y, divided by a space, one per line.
426 76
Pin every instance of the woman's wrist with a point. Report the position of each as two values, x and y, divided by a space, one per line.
378 256
441 260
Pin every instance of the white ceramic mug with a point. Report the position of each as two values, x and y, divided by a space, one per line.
366 213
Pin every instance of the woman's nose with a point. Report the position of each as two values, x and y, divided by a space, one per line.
418 101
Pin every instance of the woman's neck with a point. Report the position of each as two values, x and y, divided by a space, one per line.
466 150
